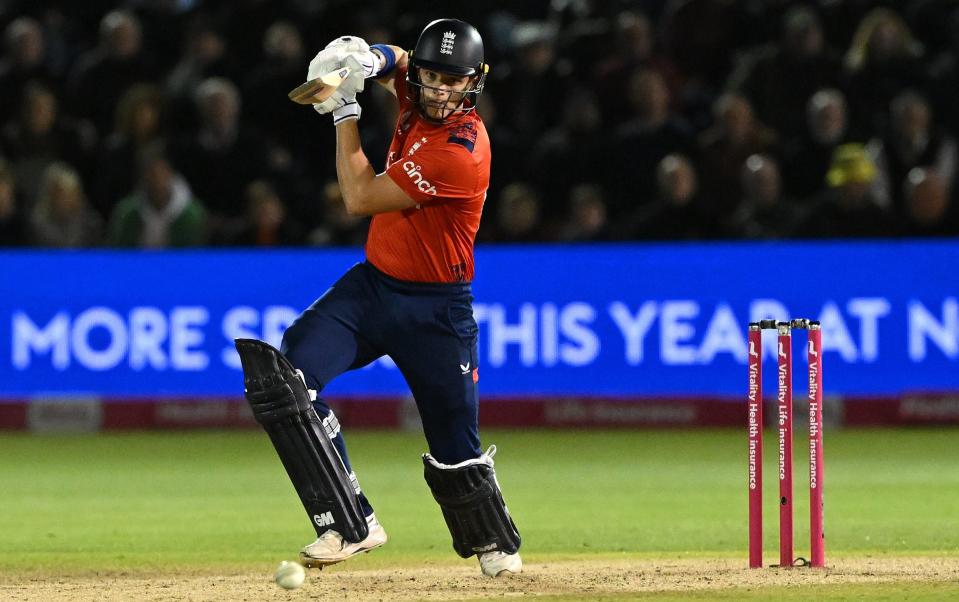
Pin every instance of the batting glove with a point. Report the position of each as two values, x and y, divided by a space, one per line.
360 50
334 56
346 51
350 110
347 90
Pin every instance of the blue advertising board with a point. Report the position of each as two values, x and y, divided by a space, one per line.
607 320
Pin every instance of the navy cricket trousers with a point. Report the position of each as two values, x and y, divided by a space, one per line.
428 330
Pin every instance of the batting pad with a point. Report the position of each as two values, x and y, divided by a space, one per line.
472 505
281 404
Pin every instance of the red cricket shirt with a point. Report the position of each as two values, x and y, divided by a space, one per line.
445 169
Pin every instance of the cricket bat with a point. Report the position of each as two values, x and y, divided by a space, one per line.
320 88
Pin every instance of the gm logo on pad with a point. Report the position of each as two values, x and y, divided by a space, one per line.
324 519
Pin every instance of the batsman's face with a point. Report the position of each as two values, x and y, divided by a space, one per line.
442 92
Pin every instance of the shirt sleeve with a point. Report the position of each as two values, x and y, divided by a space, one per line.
436 175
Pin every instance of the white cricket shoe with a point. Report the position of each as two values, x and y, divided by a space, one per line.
495 564
331 548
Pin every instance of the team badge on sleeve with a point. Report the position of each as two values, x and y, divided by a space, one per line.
464 134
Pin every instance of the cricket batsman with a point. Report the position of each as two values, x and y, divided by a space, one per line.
409 300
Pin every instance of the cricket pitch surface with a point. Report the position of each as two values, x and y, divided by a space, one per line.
619 579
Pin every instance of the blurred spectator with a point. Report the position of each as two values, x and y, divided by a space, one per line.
763 213
338 228
848 208
100 76
930 22
639 145
701 35
569 154
779 78
223 157
166 24
724 148
266 223
297 144
509 154
161 212
882 59
22 62
808 155
634 47
204 56
911 141
518 214
944 76
674 214
533 82
62 218
264 89
581 95
841 20
245 21
41 136
138 124
929 210
13 226
587 216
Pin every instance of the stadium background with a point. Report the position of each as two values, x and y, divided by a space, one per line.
750 141
663 172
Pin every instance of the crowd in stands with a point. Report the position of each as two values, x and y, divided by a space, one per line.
166 123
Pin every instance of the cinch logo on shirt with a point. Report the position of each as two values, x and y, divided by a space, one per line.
413 171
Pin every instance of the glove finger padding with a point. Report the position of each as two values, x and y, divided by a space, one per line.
347 90
326 61
333 102
345 51
355 81
350 44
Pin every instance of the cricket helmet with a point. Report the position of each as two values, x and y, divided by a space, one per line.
448 46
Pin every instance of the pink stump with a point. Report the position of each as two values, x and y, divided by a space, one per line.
785 415
755 425
816 535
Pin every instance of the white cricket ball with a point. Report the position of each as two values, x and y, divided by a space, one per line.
290 575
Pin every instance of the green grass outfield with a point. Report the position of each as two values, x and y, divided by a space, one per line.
163 502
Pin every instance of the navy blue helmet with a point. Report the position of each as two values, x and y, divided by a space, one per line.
448 46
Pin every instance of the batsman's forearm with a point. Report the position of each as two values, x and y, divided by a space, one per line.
353 169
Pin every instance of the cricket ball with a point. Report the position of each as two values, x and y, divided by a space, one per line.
290 575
